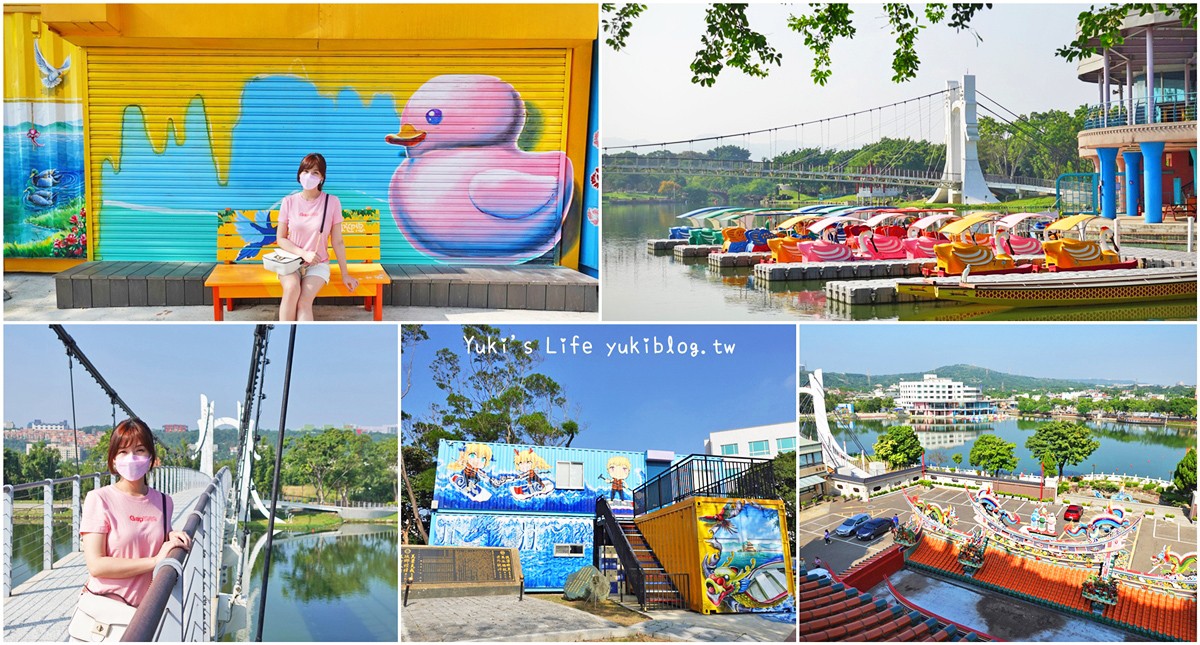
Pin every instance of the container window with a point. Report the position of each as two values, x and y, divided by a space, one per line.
568 550
729 449
568 475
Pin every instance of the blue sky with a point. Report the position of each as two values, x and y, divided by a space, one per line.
647 88
662 402
1148 353
340 374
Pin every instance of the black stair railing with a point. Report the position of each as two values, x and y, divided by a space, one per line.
706 476
635 575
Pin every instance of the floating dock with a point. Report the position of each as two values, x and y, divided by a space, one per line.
730 260
664 245
885 291
699 251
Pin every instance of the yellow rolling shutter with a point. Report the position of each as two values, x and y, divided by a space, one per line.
176 135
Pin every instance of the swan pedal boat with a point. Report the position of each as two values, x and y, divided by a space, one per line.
972 253
1080 253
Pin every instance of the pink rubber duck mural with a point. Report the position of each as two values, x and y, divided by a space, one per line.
466 192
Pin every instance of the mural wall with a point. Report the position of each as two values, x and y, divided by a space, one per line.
44 212
534 536
535 479
461 151
743 557
589 258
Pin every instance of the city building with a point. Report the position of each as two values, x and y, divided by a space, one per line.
812 481
1142 134
38 424
759 441
943 400
174 427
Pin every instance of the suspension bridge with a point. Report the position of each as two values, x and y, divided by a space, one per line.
198 595
962 179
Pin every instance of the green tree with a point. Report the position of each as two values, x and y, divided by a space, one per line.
956 458
729 41
12 467
498 395
898 447
728 153
1061 444
993 454
262 470
41 462
337 462
1185 475
783 467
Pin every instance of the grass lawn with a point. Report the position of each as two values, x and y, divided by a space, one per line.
302 522
606 609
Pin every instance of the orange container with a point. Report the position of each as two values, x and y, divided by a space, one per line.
725 555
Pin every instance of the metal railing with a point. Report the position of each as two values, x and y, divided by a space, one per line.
23 499
667 590
706 476
304 499
1165 110
927 178
180 604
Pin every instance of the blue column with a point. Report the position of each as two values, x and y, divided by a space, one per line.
1133 181
1195 173
1178 185
1108 182
1152 179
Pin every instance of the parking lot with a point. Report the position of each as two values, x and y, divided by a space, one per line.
843 552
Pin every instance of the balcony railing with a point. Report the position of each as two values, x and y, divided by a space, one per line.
1166 110
706 476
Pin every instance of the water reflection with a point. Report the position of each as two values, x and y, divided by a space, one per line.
1158 449
331 586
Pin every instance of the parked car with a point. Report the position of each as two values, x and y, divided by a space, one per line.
1074 511
851 525
872 529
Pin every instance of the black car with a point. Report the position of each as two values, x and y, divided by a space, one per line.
872 529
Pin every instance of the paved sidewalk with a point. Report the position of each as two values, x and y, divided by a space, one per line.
501 618
680 625
33 299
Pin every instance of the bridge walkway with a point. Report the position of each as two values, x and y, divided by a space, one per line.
40 608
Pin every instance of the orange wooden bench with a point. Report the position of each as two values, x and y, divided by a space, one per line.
239 272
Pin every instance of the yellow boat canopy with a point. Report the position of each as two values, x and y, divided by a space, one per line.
965 224
1068 223
790 222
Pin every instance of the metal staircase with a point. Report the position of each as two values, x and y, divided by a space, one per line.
644 575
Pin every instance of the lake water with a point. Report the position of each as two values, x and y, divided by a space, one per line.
1150 451
331 586
27 548
639 285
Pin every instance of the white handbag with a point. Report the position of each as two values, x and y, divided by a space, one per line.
284 262
99 618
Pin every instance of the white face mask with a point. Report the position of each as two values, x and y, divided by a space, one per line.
309 180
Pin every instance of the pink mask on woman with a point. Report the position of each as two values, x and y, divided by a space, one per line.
132 467
309 180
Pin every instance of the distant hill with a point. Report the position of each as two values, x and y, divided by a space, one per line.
981 377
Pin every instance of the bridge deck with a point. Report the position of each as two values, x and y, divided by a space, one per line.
41 608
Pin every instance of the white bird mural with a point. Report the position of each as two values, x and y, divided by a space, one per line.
52 76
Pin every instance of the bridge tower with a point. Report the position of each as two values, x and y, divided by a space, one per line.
962 154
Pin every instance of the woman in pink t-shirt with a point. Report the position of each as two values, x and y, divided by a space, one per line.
308 221
126 526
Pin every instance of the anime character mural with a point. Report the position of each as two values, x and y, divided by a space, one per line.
529 479
465 191
616 473
469 474
743 562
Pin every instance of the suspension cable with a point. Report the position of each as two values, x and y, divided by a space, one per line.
783 127
287 384
74 423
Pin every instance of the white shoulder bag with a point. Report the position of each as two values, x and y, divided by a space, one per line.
285 262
